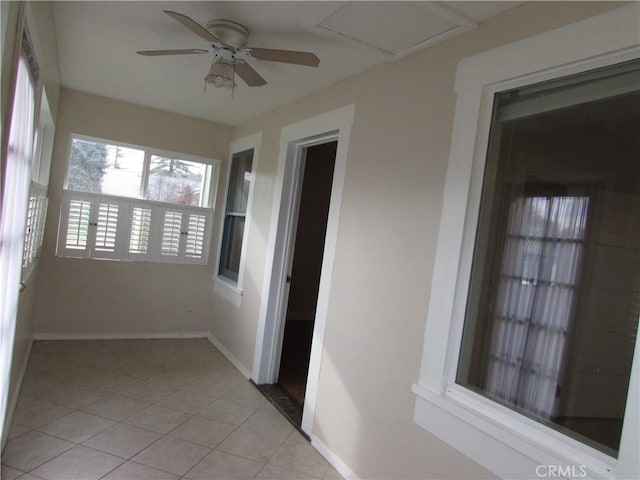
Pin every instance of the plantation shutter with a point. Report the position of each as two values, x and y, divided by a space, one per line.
105 227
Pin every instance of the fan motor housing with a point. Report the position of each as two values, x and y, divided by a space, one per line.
228 32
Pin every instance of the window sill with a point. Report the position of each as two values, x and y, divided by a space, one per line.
506 443
228 290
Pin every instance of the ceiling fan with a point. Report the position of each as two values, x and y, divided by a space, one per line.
230 52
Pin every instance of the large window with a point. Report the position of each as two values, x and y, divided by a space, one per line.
235 214
554 300
124 202
530 362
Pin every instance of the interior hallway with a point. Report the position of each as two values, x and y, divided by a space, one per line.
148 409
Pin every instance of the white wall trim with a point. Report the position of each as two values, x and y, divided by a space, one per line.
13 401
335 461
117 336
230 356
511 445
293 137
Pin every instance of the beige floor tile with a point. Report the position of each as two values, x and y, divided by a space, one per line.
158 419
39 412
224 466
116 407
78 463
269 407
301 457
123 440
8 473
273 424
218 383
77 426
141 371
228 411
28 476
110 382
246 393
75 396
250 444
203 431
16 430
271 472
136 471
332 474
24 398
178 377
148 391
186 401
172 455
32 449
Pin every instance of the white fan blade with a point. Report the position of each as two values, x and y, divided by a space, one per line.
284 56
154 53
194 26
249 75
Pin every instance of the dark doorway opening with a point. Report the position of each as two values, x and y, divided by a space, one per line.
304 281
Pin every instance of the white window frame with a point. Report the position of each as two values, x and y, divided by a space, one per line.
126 205
223 285
503 441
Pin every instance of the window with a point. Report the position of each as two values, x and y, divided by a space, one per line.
132 203
532 324
14 191
556 249
235 214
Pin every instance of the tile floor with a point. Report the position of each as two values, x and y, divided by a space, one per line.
148 409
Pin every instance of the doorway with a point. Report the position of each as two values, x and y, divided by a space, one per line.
306 266
303 267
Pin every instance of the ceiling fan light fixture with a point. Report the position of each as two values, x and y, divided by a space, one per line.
221 75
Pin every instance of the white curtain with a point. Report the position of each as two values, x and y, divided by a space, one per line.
13 220
535 300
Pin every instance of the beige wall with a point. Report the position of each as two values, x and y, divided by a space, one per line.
78 296
386 245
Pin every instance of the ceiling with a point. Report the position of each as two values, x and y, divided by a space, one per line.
97 44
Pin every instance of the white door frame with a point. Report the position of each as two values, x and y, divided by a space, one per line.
330 126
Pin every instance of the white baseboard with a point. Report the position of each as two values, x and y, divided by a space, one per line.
13 401
333 459
230 356
117 336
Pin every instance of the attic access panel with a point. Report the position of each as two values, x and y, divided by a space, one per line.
394 28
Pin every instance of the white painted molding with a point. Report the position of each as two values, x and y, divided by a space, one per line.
230 356
117 336
13 401
337 125
335 461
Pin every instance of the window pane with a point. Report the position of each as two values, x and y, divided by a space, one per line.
232 246
239 182
101 168
554 298
178 181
